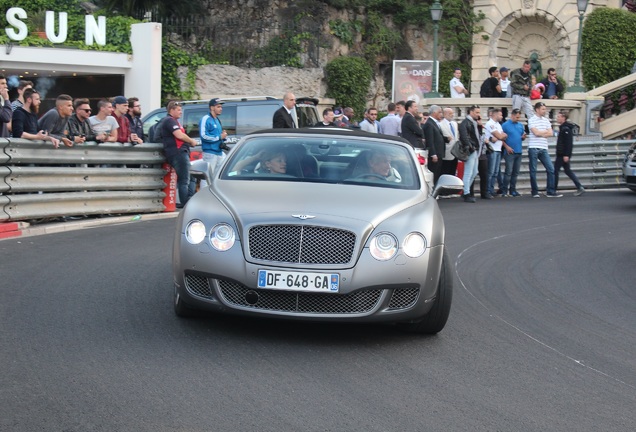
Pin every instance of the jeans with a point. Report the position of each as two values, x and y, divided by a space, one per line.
470 172
567 170
538 154
181 164
513 166
214 163
494 171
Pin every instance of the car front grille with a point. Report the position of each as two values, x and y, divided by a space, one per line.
198 286
403 298
300 302
301 244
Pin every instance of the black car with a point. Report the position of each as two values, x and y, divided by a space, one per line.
240 116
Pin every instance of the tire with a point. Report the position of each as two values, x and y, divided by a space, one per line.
435 320
180 308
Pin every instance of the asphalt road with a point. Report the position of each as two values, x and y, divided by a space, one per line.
541 337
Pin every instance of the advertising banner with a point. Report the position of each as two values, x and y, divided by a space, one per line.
412 79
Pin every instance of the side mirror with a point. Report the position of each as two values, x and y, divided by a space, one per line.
448 185
200 170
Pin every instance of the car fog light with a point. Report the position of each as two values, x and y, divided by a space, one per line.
222 237
195 232
414 245
383 246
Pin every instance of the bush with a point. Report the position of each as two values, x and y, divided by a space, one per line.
348 81
607 55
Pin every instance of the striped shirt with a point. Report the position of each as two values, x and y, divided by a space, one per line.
539 123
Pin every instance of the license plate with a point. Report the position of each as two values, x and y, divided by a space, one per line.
298 281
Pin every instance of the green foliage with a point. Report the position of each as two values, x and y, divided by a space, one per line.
283 50
348 81
345 30
446 73
165 8
607 55
380 40
458 25
172 58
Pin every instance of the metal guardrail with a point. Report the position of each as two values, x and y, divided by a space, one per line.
597 164
38 181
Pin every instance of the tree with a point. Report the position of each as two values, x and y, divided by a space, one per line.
164 8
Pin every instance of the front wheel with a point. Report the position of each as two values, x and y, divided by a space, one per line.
435 320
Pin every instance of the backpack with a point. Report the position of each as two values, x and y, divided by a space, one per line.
155 133
486 89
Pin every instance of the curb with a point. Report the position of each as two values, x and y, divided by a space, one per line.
23 229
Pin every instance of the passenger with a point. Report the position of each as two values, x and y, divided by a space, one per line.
267 162
380 166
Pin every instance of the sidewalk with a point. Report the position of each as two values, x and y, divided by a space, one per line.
24 229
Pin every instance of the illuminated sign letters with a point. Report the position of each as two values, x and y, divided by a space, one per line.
95 29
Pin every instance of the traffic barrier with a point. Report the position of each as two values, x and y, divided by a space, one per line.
38 181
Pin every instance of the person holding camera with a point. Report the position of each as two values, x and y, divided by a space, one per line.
553 86
213 136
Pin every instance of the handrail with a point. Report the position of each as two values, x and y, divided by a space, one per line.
616 85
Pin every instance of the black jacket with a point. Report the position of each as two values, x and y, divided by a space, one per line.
282 119
467 135
565 140
411 131
545 82
435 141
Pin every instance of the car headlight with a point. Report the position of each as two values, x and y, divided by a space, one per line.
222 237
383 246
414 245
195 232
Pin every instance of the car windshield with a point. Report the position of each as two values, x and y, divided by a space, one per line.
303 158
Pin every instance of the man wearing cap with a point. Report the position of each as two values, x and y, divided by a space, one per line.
176 146
338 114
120 109
213 135
504 82
283 118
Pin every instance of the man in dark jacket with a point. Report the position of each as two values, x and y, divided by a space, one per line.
435 141
552 85
470 139
411 129
565 142
282 117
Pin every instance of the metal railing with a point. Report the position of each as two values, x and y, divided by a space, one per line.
40 182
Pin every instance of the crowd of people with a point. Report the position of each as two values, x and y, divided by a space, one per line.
70 121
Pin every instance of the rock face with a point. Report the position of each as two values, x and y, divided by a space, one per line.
223 80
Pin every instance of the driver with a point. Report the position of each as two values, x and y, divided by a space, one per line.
268 161
380 165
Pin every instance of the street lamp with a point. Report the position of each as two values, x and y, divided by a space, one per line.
577 87
436 15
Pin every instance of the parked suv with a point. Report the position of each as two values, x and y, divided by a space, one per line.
240 115
629 168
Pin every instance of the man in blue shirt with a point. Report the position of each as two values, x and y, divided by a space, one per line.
512 147
212 136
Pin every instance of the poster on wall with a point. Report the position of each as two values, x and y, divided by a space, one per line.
412 79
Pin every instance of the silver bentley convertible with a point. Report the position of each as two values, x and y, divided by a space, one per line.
317 224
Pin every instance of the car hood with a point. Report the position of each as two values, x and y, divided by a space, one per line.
347 206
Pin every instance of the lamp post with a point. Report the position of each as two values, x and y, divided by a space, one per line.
436 15
577 87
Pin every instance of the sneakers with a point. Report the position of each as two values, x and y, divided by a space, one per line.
487 196
505 196
469 199
579 191
515 194
554 195
536 195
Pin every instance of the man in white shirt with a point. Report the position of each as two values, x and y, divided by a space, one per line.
457 89
504 81
103 122
540 130
390 124
495 136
